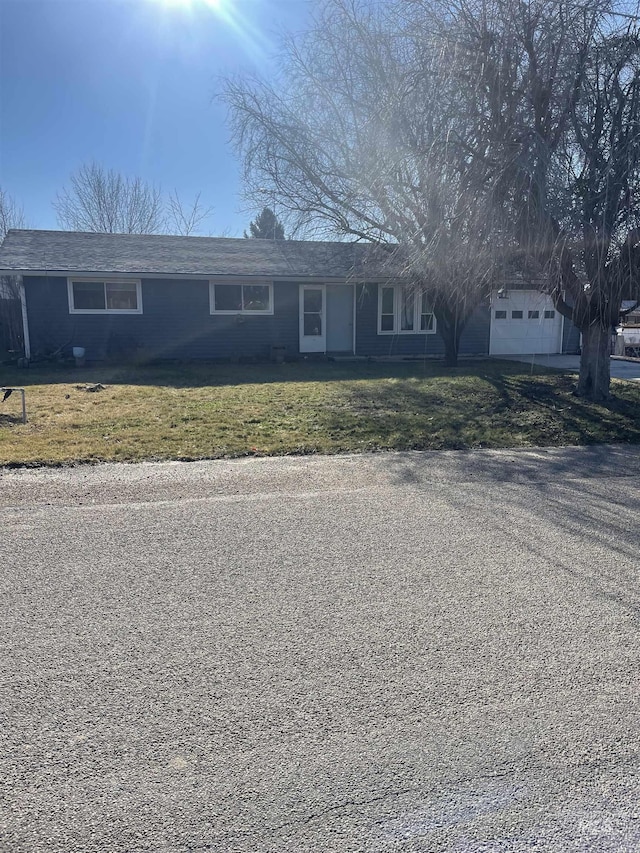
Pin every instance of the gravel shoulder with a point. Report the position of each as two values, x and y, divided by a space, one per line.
412 651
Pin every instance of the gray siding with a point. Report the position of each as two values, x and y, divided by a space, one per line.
570 337
175 323
474 340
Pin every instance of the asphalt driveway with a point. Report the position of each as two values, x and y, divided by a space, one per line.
399 652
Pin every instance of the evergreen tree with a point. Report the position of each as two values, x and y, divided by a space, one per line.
266 226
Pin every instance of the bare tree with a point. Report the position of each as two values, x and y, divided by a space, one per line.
596 257
554 89
106 201
363 139
185 219
11 214
441 127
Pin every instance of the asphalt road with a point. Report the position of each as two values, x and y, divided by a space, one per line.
399 652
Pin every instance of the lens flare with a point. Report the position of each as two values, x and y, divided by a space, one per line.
216 5
250 37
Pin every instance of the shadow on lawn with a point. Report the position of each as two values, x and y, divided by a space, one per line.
619 416
484 409
9 420
204 375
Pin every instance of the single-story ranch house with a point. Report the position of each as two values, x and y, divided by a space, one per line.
169 297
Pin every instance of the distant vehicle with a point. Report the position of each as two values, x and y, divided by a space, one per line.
628 332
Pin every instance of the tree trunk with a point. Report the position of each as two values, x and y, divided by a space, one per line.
449 328
450 349
595 366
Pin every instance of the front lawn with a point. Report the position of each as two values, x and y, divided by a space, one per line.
211 411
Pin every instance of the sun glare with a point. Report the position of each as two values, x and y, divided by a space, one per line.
192 4
249 35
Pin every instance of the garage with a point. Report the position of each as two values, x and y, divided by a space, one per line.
523 322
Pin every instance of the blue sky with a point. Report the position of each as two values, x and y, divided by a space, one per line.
129 84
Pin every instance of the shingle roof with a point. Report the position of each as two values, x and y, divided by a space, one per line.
75 252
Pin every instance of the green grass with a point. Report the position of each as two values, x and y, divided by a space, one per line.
213 411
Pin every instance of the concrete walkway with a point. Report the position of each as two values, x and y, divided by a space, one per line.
620 369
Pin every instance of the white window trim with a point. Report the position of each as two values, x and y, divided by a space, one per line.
105 280
243 282
397 310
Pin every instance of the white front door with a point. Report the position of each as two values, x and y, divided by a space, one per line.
313 318
524 322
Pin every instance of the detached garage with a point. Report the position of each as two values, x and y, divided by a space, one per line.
524 322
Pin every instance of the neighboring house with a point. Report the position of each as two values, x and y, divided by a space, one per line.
168 297
630 313
628 332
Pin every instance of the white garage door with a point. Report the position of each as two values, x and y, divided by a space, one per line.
523 322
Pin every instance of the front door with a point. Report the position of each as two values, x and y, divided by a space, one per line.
340 318
313 318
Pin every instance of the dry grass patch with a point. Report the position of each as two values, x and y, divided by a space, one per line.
207 411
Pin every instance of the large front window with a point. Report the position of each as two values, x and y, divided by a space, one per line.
241 298
95 296
404 310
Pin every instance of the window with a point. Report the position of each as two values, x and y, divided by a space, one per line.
407 309
516 315
549 315
534 315
93 296
241 297
501 315
404 310
427 319
312 311
387 312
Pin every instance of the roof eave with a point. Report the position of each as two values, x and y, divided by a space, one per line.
327 279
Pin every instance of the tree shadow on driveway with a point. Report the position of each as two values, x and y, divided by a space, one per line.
589 495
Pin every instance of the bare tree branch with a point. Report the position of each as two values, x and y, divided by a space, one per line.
105 201
363 138
11 214
185 219
558 93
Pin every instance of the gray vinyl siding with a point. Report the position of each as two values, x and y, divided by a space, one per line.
570 333
175 323
570 337
474 340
